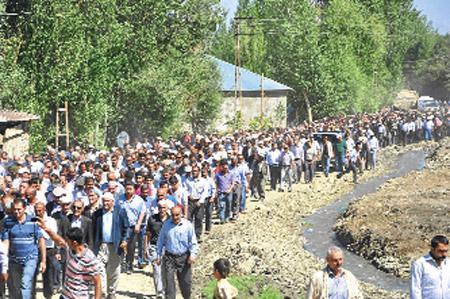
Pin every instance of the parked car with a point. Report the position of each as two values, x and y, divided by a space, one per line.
428 104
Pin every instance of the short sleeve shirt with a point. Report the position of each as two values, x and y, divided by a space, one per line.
80 271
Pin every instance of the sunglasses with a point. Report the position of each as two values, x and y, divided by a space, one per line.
77 207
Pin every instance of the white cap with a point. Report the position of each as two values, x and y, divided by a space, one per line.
59 191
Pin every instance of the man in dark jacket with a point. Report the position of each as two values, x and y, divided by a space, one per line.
110 229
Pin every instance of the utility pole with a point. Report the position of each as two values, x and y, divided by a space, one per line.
237 64
262 95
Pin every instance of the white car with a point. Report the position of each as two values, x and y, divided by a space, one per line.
426 103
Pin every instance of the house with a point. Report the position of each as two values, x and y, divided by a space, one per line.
14 137
260 96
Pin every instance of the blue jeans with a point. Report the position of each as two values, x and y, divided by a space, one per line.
427 134
21 279
225 203
326 165
340 163
243 198
140 244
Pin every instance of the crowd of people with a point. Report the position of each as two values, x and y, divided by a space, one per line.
82 216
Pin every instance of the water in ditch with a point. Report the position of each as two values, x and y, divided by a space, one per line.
320 235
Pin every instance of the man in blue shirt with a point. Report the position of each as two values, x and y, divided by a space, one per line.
224 186
178 242
133 208
23 240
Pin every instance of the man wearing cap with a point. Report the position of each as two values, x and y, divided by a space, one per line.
110 234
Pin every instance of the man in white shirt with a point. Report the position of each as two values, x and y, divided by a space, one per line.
50 284
430 275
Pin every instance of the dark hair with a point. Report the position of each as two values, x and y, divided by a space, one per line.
75 234
439 239
173 180
223 162
222 266
128 183
19 200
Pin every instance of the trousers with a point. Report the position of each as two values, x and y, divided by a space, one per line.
174 264
111 262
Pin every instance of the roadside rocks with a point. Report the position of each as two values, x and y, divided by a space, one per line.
267 241
392 227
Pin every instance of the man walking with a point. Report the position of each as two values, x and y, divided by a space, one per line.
430 275
83 268
135 209
197 189
178 243
24 241
333 281
224 185
110 229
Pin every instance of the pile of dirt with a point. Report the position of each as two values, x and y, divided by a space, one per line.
393 226
268 242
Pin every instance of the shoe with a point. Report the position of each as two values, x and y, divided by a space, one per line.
289 190
206 232
141 266
280 190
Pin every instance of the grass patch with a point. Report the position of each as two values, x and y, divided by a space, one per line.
248 287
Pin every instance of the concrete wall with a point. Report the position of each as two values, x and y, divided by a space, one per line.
15 141
252 107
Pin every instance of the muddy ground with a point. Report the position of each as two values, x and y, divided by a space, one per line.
393 227
268 241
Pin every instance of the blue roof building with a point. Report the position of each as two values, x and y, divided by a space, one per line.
250 81
261 96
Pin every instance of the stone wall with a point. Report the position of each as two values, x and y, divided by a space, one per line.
15 141
252 107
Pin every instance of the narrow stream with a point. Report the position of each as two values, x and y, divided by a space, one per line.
320 236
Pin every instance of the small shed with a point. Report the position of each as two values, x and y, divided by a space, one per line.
260 96
14 137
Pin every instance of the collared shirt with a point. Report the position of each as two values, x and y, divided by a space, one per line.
337 286
273 157
3 259
52 225
133 208
197 188
428 281
76 222
224 182
286 158
177 238
107 223
23 239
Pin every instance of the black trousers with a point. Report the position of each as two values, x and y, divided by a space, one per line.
275 176
176 264
196 213
208 214
51 279
131 248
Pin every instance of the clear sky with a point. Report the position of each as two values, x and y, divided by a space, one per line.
436 11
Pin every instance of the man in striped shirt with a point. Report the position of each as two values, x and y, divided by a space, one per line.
82 266
23 240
